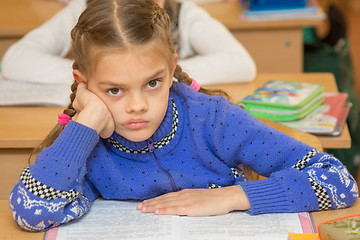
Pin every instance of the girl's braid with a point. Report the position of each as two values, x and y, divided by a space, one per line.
58 127
184 78
70 109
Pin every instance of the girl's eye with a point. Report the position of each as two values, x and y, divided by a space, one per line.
114 91
153 83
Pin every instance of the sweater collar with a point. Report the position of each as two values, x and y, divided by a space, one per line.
163 135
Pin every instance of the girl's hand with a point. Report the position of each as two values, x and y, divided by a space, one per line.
197 202
92 112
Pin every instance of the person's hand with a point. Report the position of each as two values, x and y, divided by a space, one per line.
92 112
197 202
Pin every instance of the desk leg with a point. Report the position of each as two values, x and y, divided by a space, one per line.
12 162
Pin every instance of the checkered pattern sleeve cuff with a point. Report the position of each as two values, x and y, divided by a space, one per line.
43 191
320 192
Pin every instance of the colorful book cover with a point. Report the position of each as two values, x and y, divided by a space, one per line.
286 93
280 100
325 118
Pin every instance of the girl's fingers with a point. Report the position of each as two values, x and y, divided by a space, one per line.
78 103
197 202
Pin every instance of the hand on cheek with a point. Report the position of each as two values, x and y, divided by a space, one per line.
197 202
93 112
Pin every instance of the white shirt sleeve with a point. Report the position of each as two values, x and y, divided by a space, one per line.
209 53
40 55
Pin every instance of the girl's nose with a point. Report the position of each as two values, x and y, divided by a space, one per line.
137 103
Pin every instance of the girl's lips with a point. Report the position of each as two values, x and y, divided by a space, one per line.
135 124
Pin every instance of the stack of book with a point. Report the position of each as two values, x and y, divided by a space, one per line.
279 10
300 105
327 119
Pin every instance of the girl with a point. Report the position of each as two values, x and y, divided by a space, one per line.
206 48
137 134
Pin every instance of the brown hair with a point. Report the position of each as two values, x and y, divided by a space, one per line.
114 25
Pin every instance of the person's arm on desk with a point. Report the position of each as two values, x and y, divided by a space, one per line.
55 189
40 55
300 178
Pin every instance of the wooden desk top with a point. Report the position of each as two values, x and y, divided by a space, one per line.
12 231
26 127
17 17
228 12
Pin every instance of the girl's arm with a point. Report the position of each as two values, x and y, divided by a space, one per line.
299 177
40 55
55 190
208 51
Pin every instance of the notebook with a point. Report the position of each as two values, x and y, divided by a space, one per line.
281 100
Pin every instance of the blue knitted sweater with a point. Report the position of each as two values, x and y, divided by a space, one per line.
202 143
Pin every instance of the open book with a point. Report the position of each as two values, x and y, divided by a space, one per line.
17 93
110 219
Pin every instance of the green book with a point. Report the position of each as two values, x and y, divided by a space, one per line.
281 100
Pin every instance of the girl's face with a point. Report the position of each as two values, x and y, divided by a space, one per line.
134 85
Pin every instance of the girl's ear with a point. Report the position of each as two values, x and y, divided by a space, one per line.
173 67
79 77
176 57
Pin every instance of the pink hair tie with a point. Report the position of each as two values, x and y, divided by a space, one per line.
194 85
63 119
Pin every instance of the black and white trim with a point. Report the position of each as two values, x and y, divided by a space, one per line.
213 186
300 165
321 195
41 190
237 172
163 142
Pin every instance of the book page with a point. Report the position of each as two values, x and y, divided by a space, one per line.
118 220
110 219
241 226
17 93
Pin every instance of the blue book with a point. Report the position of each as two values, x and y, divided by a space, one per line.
310 11
261 5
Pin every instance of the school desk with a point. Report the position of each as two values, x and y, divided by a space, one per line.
23 128
11 231
17 17
276 46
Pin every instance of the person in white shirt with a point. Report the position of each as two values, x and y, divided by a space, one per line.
208 52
